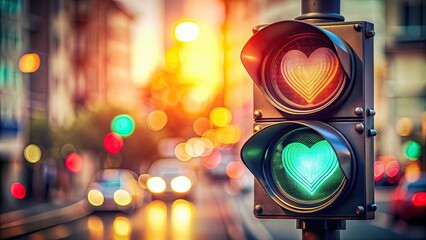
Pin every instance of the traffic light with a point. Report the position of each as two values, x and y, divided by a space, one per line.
312 151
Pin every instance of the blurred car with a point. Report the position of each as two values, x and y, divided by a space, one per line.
115 189
408 200
170 179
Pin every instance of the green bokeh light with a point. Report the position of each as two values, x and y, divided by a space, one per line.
412 150
123 125
305 167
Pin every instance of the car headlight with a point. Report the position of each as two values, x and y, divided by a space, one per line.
95 197
181 184
156 184
122 197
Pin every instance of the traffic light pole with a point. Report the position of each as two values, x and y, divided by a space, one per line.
320 11
320 229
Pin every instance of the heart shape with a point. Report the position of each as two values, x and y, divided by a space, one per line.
310 167
308 76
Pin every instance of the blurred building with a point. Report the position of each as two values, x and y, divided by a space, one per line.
13 98
85 60
405 78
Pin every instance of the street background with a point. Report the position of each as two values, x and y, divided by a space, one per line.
167 76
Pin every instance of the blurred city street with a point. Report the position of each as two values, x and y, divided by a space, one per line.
188 119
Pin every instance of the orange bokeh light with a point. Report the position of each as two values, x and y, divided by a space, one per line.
29 63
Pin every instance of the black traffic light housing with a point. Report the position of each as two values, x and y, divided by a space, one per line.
286 106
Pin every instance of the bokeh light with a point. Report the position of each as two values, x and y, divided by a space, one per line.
201 125
18 190
213 160
122 226
156 184
379 170
235 169
186 31
392 168
183 152
96 227
122 197
220 116
157 120
412 171
156 220
412 150
29 63
181 184
142 180
32 153
74 163
404 127
113 142
182 217
95 197
229 134
123 125
195 147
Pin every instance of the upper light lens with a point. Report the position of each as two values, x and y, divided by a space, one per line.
305 75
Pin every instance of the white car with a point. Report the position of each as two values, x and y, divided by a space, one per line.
170 179
115 189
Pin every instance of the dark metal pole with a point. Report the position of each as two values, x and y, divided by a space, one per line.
320 229
321 11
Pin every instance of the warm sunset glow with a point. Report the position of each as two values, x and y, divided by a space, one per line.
309 76
186 31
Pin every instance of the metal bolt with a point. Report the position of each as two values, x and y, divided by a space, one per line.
257 114
257 128
370 33
372 207
372 132
357 27
358 111
258 209
371 112
359 210
359 127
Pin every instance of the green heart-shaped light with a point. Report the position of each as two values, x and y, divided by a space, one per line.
309 167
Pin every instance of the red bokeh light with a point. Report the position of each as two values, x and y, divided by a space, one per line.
392 168
113 142
74 163
18 190
213 160
235 169
379 170
419 199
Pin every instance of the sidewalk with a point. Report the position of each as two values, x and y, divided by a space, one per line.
40 215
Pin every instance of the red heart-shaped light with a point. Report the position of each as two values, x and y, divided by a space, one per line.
309 76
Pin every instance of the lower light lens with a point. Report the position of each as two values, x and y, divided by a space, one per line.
156 185
95 197
181 184
305 169
122 197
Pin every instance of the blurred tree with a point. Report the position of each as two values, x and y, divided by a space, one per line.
90 128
